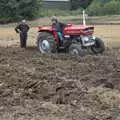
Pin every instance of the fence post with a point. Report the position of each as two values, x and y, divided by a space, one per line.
84 19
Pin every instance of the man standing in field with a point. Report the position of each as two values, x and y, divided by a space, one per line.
23 29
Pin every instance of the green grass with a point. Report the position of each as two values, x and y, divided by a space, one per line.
71 19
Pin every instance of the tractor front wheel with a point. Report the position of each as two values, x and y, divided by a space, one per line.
99 46
76 50
46 43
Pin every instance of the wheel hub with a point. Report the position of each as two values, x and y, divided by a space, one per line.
45 46
75 52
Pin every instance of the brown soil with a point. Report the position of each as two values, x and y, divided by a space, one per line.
60 87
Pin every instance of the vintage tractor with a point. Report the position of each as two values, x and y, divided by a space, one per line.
77 39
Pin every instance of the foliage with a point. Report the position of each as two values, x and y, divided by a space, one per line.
104 7
98 7
80 3
55 12
14 10
11 10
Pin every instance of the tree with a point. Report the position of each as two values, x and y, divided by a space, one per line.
112 7
11 10
80 3
104 7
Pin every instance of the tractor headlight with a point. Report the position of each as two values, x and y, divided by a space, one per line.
85 38
93 37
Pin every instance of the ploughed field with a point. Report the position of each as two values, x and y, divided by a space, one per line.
59 87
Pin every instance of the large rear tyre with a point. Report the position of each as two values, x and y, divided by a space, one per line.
46 43
76 50
99 46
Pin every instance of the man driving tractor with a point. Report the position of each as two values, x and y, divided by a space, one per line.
58 26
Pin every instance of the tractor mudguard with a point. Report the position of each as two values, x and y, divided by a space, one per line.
48 30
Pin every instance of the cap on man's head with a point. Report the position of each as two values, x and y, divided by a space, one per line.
54 18
23 21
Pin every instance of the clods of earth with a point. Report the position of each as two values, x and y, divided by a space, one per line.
59 87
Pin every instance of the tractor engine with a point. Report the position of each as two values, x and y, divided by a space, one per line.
82 34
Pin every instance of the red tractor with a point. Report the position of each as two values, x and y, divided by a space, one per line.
76 40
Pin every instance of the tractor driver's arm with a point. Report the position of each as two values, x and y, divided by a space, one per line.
63 25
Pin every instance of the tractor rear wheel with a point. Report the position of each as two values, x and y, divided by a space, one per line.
99 46
46 43
76 50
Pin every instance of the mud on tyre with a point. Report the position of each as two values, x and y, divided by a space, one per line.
99 46
75 49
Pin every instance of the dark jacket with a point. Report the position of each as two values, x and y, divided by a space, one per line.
59 26
24 28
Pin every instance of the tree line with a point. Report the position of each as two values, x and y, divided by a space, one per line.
104 7
14 10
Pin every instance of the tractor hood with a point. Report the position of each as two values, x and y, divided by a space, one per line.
78 30
72 30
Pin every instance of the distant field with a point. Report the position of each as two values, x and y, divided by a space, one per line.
110 33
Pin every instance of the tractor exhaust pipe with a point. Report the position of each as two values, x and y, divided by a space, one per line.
84 18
